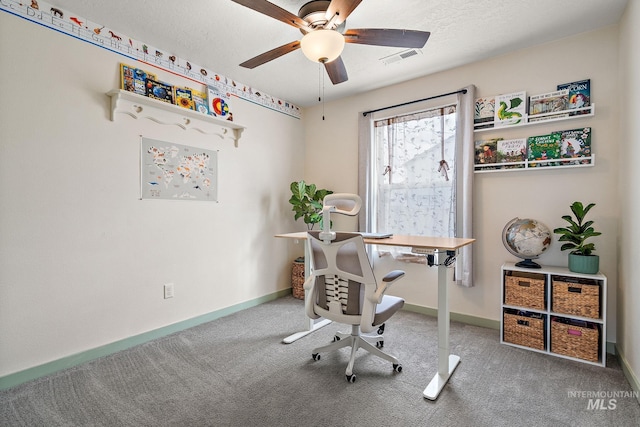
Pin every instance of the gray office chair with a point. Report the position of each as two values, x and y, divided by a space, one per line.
342 288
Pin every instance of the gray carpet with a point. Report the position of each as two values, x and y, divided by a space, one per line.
236 371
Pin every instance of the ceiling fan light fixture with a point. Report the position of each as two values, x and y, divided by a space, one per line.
322 45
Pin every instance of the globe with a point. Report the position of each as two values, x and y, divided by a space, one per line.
527 239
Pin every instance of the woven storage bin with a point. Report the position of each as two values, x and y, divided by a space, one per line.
525 290
523 330
579 299
297 279
572 340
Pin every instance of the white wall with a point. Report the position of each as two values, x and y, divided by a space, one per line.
82 259
499 197
629 232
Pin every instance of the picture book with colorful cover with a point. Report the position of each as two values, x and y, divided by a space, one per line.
486 154
199 101
543 148
218 104
512 151
182 96
510 109
484 112
134 79
546 103
159 90
579 95
576 144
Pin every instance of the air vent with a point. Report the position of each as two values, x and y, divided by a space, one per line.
405 54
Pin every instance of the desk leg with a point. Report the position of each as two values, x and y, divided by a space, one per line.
312 324
447 363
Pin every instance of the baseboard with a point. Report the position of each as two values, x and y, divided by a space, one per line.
105 350
457 317
628 373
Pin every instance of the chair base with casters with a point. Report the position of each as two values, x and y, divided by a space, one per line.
356 341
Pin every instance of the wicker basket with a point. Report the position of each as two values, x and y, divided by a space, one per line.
523 330
297 279
578 299
571 339
525 290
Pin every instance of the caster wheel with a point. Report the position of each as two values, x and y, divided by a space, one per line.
397 367
381 329
379 344
315 356
351 378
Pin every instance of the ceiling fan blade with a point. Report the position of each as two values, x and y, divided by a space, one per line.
336 70
276 12
387 37
341 7
271 55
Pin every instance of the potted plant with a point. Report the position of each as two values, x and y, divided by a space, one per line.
574 236
306 201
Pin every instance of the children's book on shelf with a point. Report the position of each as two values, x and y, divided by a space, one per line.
512 153
484 113
575 144
547 103
510 109
182 96
486 154
134 79
579 95
199 101
543 148
159 90
218 104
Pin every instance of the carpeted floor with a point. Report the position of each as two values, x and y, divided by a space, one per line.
236 371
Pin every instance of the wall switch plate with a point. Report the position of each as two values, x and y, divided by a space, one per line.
168 290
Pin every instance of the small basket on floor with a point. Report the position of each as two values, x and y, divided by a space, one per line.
297 278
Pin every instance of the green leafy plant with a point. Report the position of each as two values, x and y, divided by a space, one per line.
306 202
578 231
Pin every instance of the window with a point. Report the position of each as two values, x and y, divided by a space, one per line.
412 190
404 187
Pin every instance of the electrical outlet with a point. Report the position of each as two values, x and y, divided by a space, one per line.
168 290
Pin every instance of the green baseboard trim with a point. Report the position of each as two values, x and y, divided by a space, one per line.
21 377
457 317
628 373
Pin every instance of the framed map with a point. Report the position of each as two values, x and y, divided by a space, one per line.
177 172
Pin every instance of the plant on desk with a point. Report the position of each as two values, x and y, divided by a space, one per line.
306 201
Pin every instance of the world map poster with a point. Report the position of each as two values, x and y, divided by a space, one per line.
177 172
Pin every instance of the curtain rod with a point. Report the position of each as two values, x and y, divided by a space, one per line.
413 102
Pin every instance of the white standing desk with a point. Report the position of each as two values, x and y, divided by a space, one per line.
447 363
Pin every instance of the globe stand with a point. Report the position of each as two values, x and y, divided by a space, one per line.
527 263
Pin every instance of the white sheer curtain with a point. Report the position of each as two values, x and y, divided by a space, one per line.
427 205
414 195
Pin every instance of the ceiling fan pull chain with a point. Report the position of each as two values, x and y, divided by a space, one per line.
321 75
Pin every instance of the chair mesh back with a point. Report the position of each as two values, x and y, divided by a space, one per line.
332 289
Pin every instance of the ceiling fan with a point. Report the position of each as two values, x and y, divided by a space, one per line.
323 24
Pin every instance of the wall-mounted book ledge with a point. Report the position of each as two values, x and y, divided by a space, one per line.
138 106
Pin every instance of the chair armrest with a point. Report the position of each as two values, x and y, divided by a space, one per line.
309 296
387 281
392 276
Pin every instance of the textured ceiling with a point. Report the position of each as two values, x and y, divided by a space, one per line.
220 34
